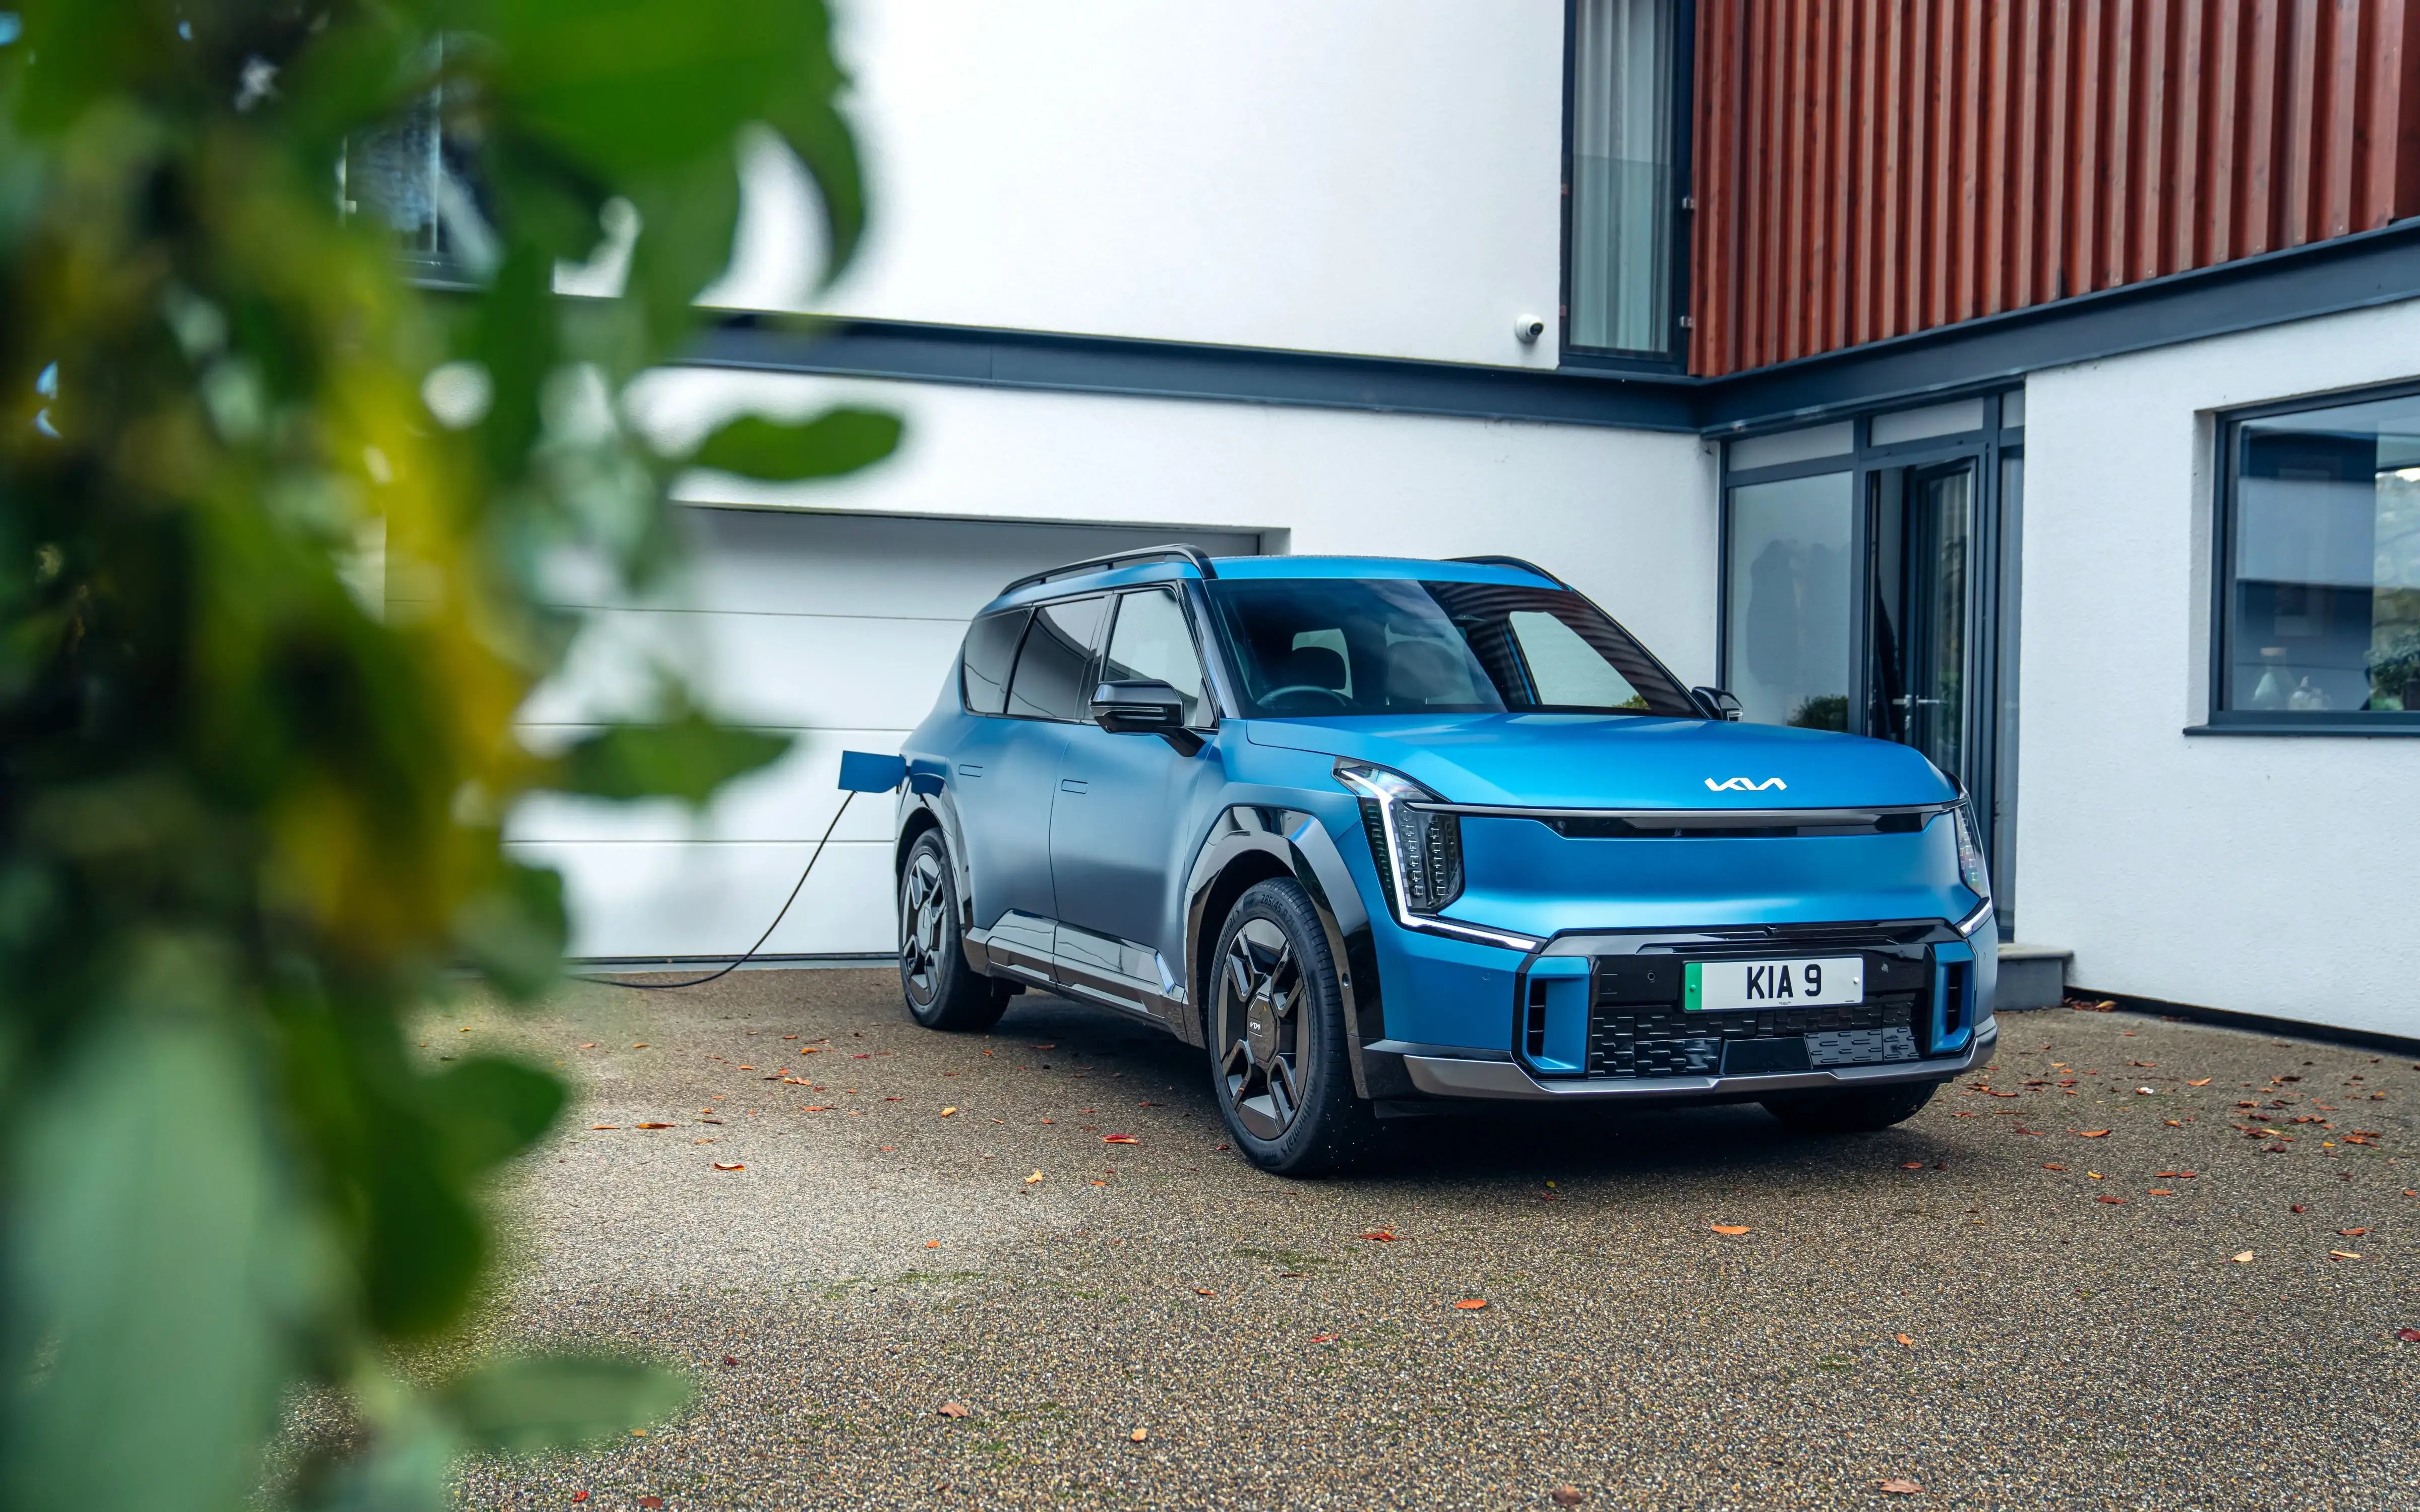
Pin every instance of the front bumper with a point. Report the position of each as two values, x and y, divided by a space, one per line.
1450 1076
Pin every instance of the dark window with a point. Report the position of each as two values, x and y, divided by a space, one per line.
991 649
1154 642
1050 681
1315 646
2321 579
1626 160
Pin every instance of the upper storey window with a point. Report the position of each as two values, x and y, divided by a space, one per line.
1626 176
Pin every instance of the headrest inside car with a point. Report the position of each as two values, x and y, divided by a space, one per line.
1312 667
1421 672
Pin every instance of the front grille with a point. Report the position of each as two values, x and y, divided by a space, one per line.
1659 1039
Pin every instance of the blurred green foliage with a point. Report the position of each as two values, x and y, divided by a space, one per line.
273 515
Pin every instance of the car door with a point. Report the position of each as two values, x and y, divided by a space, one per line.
1006 773
1128 808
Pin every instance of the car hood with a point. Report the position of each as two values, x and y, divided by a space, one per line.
1586 761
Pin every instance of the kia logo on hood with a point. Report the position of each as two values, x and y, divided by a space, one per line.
1741 784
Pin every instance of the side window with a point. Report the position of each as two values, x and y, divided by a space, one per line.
1049 681
982 668
1152 643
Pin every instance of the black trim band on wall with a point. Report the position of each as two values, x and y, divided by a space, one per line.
1191 370
2348 272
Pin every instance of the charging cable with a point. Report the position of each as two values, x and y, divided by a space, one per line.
672 986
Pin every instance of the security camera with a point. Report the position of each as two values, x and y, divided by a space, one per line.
1527 327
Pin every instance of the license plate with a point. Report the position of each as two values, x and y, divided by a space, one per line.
1827 981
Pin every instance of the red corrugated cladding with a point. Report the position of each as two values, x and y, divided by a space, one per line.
1870 167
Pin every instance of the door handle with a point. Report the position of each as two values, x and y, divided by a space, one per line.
1909 700
1072 784
970 769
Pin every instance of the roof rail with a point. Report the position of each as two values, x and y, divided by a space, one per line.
1179 552
1512 561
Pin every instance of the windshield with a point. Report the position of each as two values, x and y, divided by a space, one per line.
1313 646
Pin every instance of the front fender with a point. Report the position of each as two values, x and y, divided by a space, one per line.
1300 846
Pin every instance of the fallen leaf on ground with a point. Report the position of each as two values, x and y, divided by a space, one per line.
747 1068
888 1148
587 1044
1911 1165
812 1049
1322 1339
932 1243
2204 1082
1382 1236
1140 1434
604 1126
946 1112
952 1410
641 1045
2110 1196
2092 1134
1204 1292
1897 1486
1567 1496
1905 1342
1035 1177
2244 1257
2048 1166
2408 1336
1120 1139
651 1503
731 1359
2160 1192
2351 1233
580 1496
2096 1176
2296 1208
1729 1228
651 1126
1471 1304
2343 1254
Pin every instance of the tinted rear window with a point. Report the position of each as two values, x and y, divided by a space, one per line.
991 649
1050 681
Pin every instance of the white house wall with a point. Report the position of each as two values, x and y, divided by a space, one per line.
1377 177
2258 874
844 637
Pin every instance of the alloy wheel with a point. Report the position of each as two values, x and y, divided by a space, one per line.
921 923
1265 1027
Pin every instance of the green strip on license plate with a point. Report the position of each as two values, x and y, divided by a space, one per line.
1693 992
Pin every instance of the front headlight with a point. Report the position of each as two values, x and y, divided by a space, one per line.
1418 852
1971 870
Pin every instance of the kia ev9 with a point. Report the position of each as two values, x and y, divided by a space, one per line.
1387 837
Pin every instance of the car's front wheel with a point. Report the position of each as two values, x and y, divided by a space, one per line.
1277 1059
1860 1110
943 992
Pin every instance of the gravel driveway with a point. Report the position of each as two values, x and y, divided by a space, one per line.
1987 1302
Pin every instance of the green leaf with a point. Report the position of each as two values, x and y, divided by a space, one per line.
514 933
636 86
833 443
153 1241
686 759
491 1109
539 1403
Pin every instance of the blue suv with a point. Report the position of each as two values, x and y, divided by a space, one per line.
1385 837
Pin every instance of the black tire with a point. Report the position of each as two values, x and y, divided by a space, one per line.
1862 1110
942 991
1276 1022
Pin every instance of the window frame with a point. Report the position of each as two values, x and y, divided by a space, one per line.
1682 208
964 705
2217 718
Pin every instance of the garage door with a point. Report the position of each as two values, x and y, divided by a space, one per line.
840 630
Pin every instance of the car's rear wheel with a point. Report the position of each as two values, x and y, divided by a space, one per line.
1861 1110
942 991
1277 1059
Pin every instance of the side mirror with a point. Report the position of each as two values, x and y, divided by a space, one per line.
1144 708
1716 703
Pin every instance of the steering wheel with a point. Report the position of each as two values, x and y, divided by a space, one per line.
1330 694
